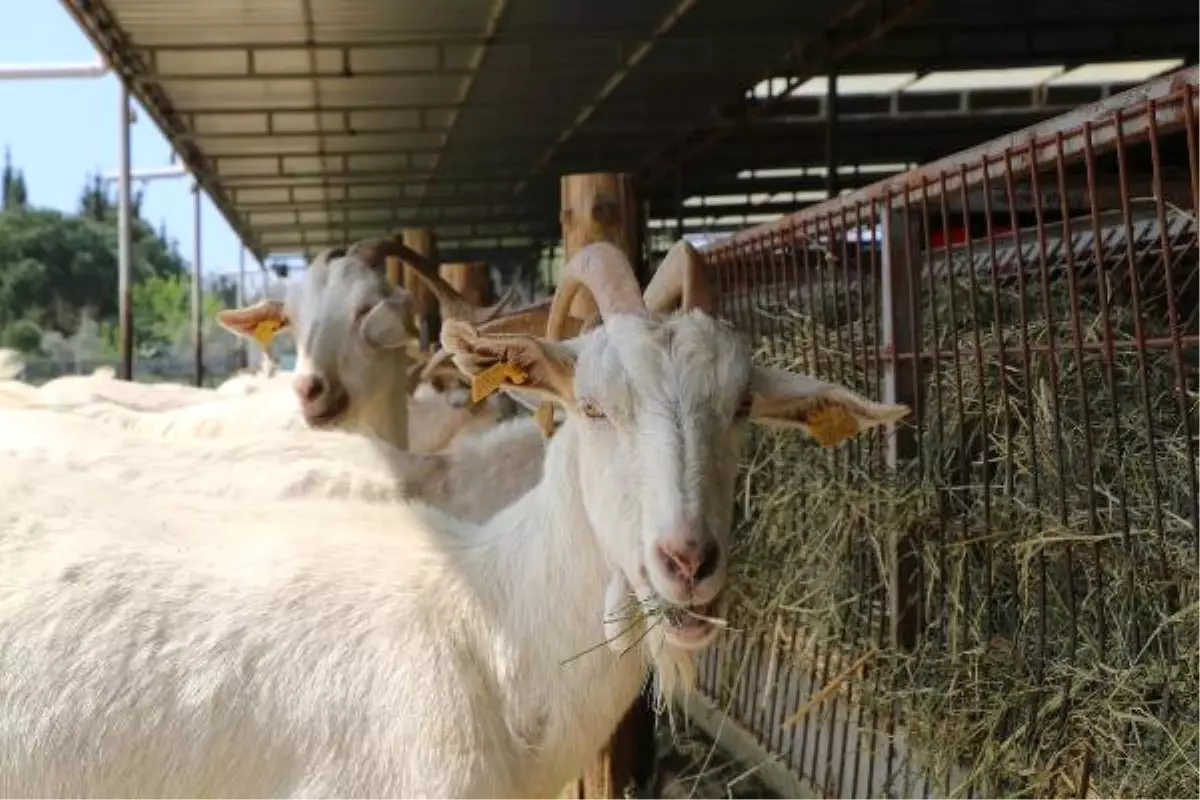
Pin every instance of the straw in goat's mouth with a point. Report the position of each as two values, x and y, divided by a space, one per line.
682 616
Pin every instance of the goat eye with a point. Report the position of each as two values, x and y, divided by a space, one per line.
591 410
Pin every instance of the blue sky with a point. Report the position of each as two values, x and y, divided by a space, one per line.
62 129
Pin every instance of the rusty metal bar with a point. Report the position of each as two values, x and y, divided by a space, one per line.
988 158
1041 321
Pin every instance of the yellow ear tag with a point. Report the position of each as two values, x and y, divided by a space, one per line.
831 424
487 382
265 331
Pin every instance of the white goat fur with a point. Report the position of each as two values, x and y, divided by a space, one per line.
197 646
473 478
433 421
72 390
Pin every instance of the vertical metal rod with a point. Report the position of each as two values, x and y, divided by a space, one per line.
240 302
831 120
678 205
124 244
197 294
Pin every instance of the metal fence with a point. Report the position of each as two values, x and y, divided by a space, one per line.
154 369
1000 596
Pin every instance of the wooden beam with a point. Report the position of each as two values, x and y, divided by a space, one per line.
604 207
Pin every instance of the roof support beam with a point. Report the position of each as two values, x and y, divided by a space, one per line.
643 49
336 234
423 219
865 22
495 14
749 33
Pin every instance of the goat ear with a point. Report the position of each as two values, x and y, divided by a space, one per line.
384 325
826 411
511 361
261 321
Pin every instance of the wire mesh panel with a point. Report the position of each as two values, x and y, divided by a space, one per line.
998 597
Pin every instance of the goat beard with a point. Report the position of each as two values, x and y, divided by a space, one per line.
627 626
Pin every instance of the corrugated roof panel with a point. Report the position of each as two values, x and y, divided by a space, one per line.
265 144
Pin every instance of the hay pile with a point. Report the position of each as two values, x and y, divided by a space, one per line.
1057 566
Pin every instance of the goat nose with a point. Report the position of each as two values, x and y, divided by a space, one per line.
689 560
308 387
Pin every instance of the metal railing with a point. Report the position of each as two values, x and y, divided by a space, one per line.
999 596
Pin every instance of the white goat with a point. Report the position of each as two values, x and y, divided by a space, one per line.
196 646
352 329
473 478
71 390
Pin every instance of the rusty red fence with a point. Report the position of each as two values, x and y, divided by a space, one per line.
999 596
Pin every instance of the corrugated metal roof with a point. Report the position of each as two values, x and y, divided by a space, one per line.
313 121
316 121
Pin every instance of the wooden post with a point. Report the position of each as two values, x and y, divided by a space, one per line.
603 207
471 279
424 303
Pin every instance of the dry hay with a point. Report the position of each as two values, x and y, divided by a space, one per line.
1059 638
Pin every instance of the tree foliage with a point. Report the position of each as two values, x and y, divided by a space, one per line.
58 277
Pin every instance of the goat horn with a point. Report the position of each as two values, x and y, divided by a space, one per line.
682 280
325 256
372 252
489 313
606 273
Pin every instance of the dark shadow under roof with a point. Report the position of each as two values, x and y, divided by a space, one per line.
311 122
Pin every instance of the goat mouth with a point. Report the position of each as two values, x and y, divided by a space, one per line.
693 626
328 415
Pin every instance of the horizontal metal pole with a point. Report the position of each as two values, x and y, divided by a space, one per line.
579 69
52 71
511 223
340 236
211 141
478 248
516 36
161 173
550 101
339 142
358 177
361 208
208 139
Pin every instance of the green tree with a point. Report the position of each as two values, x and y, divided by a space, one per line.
13 193
52 265
94 202
162 315
24 336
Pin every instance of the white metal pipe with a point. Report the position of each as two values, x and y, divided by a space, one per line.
124 243
197 293
161 173
243 344
17 72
